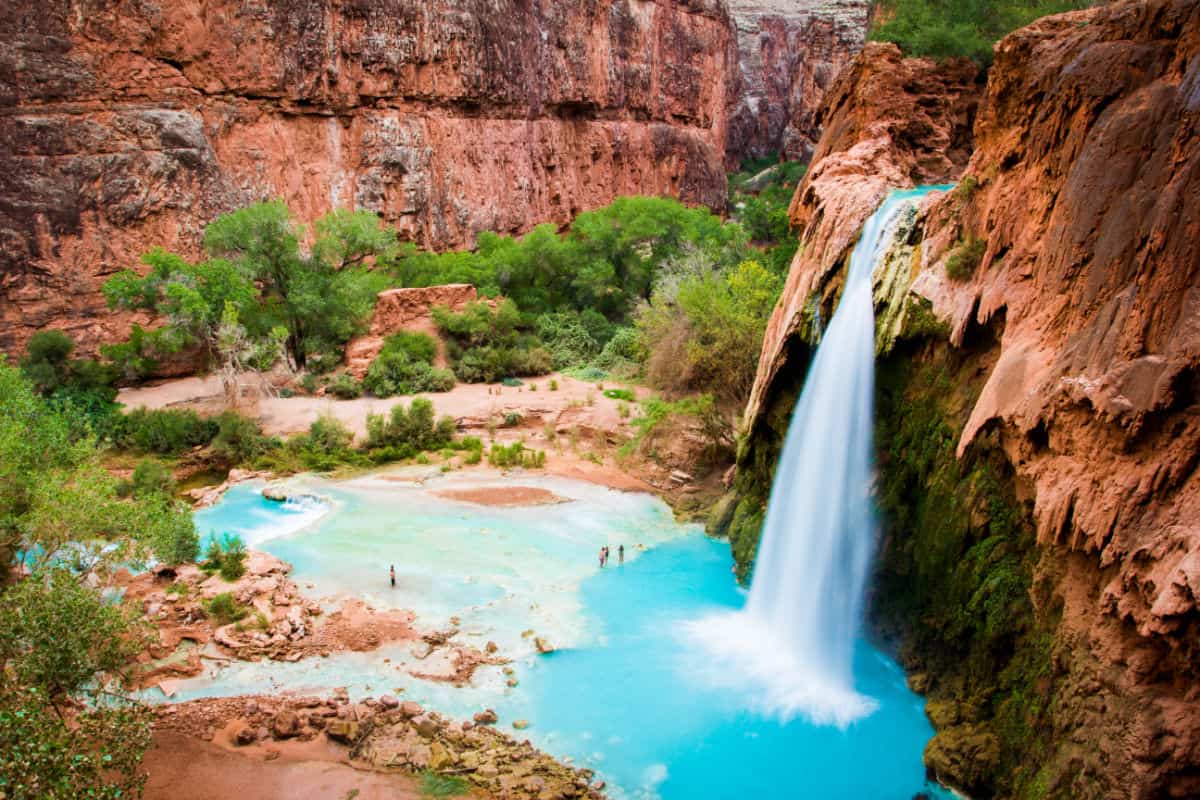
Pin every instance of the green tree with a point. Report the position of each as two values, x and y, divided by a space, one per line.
67 729
967 28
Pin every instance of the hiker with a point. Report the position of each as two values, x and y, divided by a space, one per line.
621 554
392 573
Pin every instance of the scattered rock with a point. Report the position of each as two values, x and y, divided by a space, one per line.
243 735
520 724
486 717
389 702
542 645
344 731
285 725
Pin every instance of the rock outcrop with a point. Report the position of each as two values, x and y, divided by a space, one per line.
405 310
132 124
1063 353
789 52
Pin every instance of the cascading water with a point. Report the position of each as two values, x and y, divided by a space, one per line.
795 637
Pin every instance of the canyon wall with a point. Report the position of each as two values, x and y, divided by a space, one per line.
132 123
1039 431
789 53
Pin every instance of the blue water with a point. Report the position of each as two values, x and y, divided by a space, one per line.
628 696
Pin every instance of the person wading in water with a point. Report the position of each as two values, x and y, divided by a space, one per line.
392 574
621 554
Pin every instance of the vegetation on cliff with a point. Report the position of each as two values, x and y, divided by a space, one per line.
959 28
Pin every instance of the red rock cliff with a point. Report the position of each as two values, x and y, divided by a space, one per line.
127 124
1084 189
789 53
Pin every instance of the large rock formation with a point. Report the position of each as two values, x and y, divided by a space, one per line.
128 124
1044 433
789 52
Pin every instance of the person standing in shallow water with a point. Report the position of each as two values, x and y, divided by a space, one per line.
392 575
621 554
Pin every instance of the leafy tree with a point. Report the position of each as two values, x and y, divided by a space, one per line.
66 728
704 332
968 28
49 366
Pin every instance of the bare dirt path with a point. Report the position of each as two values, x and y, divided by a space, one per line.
183 767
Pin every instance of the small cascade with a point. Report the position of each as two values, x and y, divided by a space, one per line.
795 638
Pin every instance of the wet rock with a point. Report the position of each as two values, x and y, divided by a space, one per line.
486 717
542 645
389 701
520 724
411 709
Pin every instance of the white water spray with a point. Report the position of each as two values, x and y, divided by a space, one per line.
794 640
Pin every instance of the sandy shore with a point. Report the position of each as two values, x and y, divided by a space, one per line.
183 767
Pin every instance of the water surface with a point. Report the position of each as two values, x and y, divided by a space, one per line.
627 693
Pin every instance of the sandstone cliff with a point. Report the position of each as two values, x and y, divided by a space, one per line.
1060 372
789 52
127 124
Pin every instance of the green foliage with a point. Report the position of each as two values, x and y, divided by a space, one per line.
408 431
486 344
662 420
957 573
62 645
224 609
968 28
605 262
435 785
233 557
966 188
704 331
345 387
405 366
238 439
516 455
49 366
964 258
151 477
620 394
167 431
257 282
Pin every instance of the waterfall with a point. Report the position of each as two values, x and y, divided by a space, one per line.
795 638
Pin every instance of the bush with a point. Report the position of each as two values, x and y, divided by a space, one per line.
224 609
345 387
620 394
416 346
48 365
239 439
233 557
964 258
516 455
397 373
310 383
176 541
151 477
409 430
328 435
166 432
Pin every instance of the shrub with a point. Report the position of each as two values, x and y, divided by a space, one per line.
416 346
344 387
395 372
410 429
239 438
964 258
49 366
513 418
164 431
224 609
516 455
620 394
233 557
624 354
310 382
151 477
553 385
328 435
175 541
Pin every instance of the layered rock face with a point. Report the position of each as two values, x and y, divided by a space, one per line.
789 53
1072 352
132 124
